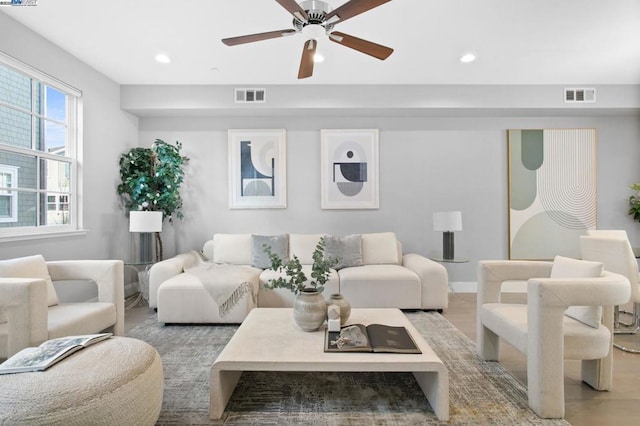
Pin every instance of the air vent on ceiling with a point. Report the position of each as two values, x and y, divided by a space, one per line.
244 96
580 95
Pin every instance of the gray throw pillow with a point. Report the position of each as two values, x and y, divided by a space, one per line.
279 245
347 249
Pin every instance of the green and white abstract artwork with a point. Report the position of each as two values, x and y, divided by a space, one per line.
552 191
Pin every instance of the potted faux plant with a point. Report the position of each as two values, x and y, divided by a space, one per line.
310 308
150 181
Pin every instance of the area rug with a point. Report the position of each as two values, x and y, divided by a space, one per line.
481 393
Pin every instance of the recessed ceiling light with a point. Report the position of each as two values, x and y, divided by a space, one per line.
163 58
318 58
467 57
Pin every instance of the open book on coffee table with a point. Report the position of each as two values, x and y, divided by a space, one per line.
370 338
50 352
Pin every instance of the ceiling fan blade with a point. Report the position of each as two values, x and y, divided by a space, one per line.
233 41
306 63
373 49
294 9
351 9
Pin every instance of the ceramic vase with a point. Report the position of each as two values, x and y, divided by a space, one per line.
309 309
343 304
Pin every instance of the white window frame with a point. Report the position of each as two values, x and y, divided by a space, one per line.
74 157
5 191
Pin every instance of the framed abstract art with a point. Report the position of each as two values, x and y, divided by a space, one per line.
552 191
257 169
349 169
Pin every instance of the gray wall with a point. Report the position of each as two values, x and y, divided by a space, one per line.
427 164
108 131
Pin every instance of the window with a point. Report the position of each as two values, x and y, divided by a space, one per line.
39 141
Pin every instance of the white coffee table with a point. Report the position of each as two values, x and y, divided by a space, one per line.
269 340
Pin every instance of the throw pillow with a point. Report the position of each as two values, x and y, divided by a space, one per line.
30 267
232 248
565 267
279 245
380 248
347 250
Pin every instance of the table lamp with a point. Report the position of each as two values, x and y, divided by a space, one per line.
145 223
448 223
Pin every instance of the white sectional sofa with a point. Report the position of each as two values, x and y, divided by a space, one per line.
384 277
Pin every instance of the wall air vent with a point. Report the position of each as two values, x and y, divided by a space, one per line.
250 96
580 95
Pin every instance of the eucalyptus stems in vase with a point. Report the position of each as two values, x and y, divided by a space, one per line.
294 278
309 308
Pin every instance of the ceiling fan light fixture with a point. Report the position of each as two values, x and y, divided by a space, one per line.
318 57
313 31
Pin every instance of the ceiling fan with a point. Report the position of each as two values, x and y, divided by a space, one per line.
315 19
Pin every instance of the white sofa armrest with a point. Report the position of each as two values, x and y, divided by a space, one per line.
108 276
162 271
24 303
434 280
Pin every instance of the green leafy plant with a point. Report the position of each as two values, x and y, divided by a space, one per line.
295 279
150 180
634 202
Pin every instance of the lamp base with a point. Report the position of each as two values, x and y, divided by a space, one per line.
447 245
146 249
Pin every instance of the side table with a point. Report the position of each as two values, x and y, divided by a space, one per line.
445 261
141 271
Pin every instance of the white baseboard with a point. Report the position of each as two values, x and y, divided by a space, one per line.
472 287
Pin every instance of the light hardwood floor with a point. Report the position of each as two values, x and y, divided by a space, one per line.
584 406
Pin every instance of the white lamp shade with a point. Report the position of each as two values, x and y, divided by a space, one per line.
447 221
145 221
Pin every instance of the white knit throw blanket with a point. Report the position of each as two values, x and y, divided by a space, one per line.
226 284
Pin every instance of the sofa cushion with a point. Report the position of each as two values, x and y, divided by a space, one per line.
278 244
69 319
381 286
380 248
509 321
236 249
302 246
183 299
30 267
347 250
565 267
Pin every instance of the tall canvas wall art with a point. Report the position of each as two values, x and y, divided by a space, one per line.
257 169
552 191
349 169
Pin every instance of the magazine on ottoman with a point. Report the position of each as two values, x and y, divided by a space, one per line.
50 352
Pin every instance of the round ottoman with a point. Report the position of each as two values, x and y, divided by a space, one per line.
115 382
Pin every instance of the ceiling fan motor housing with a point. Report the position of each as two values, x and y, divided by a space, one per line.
316 12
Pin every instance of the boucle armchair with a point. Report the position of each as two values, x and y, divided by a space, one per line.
29 308
543 332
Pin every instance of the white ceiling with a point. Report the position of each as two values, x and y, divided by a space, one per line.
516 41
